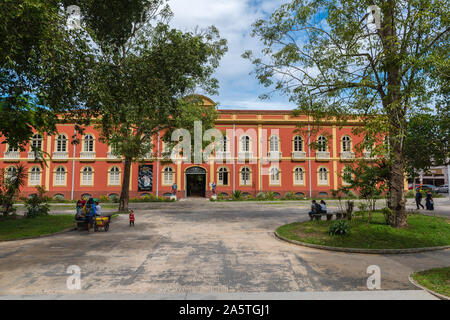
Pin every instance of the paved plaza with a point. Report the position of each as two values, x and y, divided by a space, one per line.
199 247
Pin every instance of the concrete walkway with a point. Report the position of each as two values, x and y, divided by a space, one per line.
335 295
199 247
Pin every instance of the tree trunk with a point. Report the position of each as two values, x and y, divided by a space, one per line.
397 115
396 193
125 193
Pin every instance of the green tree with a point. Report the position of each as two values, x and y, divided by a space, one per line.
142 70
369 179
42 69
10 184
334 64
427 141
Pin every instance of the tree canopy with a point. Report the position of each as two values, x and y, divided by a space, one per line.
380 61
141 72
43 69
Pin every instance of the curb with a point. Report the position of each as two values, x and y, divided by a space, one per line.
360 250
440 296
43 235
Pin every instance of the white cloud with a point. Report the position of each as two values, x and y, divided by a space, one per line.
233 18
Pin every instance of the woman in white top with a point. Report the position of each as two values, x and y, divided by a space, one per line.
323 207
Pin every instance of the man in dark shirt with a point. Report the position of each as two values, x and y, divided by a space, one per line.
419 199
315 209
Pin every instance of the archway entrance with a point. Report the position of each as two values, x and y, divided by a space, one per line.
196 182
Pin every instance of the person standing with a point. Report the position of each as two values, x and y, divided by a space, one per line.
90 213
419 199
174 189
429 201
213 187
98 208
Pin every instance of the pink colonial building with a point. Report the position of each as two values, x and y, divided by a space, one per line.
262 151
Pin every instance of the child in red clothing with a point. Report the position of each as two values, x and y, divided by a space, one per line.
131 217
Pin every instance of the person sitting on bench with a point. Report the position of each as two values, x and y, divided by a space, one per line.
323 207
315 209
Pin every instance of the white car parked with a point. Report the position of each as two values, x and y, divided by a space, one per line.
442 189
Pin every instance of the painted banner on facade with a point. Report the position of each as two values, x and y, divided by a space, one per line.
145 178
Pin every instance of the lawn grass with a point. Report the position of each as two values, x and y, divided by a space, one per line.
11 229
422 231
437 280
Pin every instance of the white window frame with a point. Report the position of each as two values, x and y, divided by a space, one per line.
61 142
114 176
323 176
35 176
60 176
87 176
299 171
298 143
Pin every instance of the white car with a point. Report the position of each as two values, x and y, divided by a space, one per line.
442 189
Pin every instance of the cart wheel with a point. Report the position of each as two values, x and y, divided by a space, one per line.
107 227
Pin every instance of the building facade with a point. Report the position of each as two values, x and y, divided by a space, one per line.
262 151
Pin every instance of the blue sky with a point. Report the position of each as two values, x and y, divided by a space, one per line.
233 18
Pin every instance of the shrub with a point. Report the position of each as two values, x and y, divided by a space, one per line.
339 228
261 196
36 204
270 195
236 195
389 216
290 196
410 194
104 199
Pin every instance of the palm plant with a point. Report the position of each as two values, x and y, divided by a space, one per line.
10 188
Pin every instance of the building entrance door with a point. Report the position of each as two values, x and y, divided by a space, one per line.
196 182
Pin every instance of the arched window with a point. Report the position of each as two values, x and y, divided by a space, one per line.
87 176
222 179
88 143
168 176
322 144
35 176
61 143
60 176
299 176
245 143
36 142
11 173
114 176
245 176
274 144
346 144
298 143
323 176
274 175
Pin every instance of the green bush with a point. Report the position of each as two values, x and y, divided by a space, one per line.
410 194
389 215
261 196
104 199
339 228
270 195
236 195
36 204
290 196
